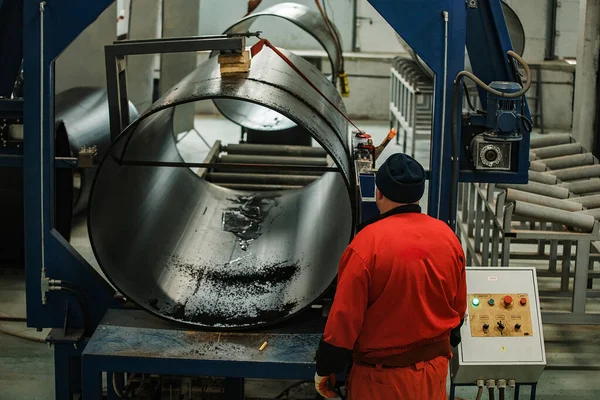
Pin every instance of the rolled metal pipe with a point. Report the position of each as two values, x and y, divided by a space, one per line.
547 214
260 118
270 179
274 150
554 139
571 161
518 195
538 188
588 201
248 159
537 166
193 252
582 187
571 174
542 177
558 151
82 116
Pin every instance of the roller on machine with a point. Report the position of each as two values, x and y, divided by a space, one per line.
190 251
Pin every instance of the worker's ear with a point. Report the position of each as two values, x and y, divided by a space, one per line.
378 195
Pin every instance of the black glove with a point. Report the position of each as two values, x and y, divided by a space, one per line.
331 359
455 334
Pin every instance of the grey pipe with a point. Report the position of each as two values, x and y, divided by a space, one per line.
582 187
270 179
571 174
518 195
542 177
588 201
550 140
248 159
547 214
537 166
575 160
595 213
274 150
539 188
190 251
558 151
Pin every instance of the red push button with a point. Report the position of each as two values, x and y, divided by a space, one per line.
508 300
523 301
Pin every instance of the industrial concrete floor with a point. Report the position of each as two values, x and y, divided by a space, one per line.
27 371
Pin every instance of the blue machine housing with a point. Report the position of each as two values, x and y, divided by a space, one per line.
504 118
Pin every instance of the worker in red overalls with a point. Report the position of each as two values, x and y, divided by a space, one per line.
400 299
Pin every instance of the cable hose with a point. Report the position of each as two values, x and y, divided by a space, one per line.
491 393
479 393
501 390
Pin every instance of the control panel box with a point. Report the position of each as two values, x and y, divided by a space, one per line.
502 336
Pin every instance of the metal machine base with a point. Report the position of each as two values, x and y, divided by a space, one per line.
134 341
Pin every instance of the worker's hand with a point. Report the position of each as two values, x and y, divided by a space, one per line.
325 386
455 338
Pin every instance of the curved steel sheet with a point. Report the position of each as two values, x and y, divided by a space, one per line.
193 252
253 116
515 31
82 116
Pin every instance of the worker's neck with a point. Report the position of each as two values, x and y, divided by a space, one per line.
390 205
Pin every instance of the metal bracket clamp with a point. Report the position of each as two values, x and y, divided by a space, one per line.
87 156
116 65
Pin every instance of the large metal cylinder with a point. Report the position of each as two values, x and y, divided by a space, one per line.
254 116
190 251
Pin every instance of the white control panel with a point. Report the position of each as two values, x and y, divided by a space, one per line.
502 336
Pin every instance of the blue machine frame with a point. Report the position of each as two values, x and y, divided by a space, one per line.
437 30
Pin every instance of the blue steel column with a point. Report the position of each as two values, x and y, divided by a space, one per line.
63 21
421 25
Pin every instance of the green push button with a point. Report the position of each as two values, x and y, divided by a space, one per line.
475 302
491 302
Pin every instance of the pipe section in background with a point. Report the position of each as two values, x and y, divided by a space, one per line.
554 139
575 160
518 195
558 151
588 201
193 252
542 177
582 187
254 116
571 174
547 214
539 188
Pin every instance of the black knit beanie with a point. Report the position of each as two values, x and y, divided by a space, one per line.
401 179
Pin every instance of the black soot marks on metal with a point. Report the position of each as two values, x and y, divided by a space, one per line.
245 220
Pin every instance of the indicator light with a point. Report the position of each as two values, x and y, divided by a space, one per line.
475 301
491 302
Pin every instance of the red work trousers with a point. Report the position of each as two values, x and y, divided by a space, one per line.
422 381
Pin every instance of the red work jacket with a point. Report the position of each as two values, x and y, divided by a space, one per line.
401 284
